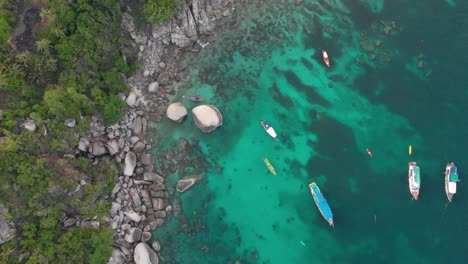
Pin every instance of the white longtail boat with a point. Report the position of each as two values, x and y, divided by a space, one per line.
270 130
325 58
414 179
451 179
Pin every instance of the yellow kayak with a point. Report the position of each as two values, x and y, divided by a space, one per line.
269 166
410 149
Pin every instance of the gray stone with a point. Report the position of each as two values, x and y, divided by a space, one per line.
117 257
29 125
135 217
145 236
98 149
157 194
146 159
135 197
153 87
176 112
131 99
69 122
158 204
90 224
138 126
69 222
185 184
115 208
115 190
160 214
130 163
139 147
112 147
133 235
134 140
153 177
156 245
83 144
207 117
144 254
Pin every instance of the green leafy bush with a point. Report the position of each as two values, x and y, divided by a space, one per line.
160 10
113 110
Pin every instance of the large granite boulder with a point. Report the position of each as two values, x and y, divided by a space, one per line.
176 112
144 254
207 117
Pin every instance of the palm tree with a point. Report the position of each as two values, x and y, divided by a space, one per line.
43 45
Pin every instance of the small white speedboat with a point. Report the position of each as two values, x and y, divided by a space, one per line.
269 129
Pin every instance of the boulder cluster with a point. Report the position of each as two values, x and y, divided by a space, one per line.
206 117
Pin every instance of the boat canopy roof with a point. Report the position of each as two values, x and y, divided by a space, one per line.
322 203
452 187
417 177
453 177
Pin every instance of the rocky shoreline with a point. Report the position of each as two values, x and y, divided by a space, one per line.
140 198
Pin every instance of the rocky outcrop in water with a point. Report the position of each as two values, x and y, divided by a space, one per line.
176 112
207 117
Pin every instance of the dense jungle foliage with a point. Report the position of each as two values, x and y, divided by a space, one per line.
65 61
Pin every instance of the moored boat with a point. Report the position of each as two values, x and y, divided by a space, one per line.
194 98
414 179
270 130
451 179
321 203
269 166
325 58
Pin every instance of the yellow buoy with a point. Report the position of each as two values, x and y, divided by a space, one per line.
410 149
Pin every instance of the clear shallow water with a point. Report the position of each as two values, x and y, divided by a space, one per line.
268 66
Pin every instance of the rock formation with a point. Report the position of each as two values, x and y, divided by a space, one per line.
207 117
176 112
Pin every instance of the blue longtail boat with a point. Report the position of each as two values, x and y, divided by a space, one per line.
321 203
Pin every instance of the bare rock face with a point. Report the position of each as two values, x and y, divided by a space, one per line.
176 112
185 184
207 117
7 230
144 254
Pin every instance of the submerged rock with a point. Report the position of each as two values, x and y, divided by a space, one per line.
185 184
207 117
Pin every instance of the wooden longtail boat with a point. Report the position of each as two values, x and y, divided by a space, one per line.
414 179
321 203
451 179
269 166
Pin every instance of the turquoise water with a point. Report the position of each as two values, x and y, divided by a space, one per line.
383 92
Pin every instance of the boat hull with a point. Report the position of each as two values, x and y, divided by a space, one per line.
414 180
326 60
193 98
321 203
269 166
451 179
269 129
